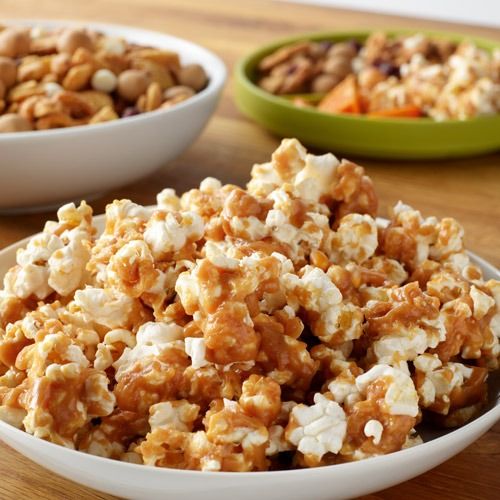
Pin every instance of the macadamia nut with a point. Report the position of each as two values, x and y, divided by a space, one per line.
104 80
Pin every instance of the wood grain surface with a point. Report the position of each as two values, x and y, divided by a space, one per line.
466 189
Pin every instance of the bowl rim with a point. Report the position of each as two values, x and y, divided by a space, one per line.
492 415
217 69
248 62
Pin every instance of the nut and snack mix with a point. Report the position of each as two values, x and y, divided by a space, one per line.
68 77
406 76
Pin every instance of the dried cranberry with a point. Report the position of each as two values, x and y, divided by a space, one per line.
387 68
130 111
355 44
325 45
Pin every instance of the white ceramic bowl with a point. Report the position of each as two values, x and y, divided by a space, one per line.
43 168
324 483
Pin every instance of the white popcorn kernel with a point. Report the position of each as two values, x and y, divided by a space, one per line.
317 176
39 249
494 287
216 255
401 397
103 356
67 265
481 301
195 349
356 238
277 441
250 228
152 333
166 199
104 80
28 280
210 185
449 239
124 209
343 391
427 362
374 429
321 292
178 415
440 380
107 307
171 234
317 429
151 339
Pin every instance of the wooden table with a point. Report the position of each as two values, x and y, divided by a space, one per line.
466 189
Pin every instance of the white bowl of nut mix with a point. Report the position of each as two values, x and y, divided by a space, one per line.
273 342
85 108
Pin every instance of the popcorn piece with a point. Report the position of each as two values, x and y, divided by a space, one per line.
111 348
404 327
195 349
106 307
315 180
167 200
408 237
231 426
113 435
318 429
374 429
355 239
449 239
261 398
169 232
481 301
179 415
331 320
282 357
277 441
449 386
84 393
151 338
131 269
400 397
54 260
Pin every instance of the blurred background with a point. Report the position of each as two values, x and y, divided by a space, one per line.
480 12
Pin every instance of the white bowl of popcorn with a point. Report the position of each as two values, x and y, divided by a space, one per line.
278 341
41 165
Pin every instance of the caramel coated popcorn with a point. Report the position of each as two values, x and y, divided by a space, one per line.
234 329
67 77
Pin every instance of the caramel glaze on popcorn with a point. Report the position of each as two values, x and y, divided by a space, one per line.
239 330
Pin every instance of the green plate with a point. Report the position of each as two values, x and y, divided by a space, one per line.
397 138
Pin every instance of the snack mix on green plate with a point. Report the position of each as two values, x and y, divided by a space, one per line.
405 76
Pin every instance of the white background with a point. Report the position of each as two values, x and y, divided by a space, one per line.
481 12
